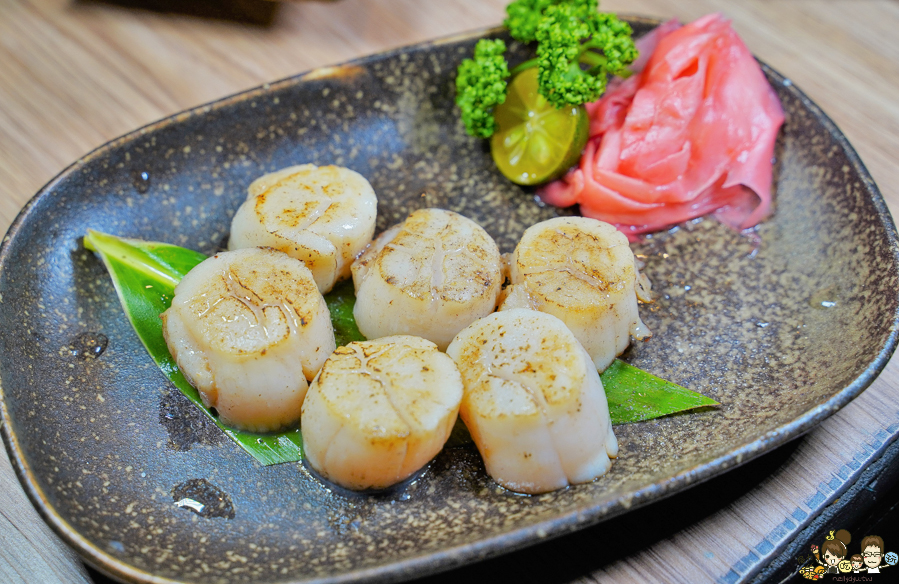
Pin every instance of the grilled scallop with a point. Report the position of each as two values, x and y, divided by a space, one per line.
430 276
248 329
582 271
321 215
533 402
379 411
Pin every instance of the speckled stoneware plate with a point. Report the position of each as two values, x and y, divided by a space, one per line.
783 326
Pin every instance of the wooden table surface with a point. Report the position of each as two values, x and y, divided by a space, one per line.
75 74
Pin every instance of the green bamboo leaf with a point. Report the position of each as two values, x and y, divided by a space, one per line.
341 300
145 275
635 395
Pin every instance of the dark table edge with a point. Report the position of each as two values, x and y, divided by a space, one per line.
850 505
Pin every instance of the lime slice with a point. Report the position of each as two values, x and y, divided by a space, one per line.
535 142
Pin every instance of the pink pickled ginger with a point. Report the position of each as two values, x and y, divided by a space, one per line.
691 134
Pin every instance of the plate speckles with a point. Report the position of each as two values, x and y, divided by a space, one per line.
782 326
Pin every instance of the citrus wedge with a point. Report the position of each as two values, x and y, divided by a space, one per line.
535 142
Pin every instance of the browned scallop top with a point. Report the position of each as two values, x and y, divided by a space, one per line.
245 308
330 179
297 213
439 254
391 388
516 357
575 263
321 198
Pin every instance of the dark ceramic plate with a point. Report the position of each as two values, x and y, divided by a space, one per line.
783 326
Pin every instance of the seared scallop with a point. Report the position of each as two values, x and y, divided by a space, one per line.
430 276
249 329
582 271
379 411
533 402
321 215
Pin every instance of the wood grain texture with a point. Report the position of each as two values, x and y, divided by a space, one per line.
75 74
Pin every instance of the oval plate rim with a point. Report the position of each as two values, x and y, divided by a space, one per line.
452 557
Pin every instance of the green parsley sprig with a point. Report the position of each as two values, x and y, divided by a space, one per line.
576 52
577 48
481 86
524 15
